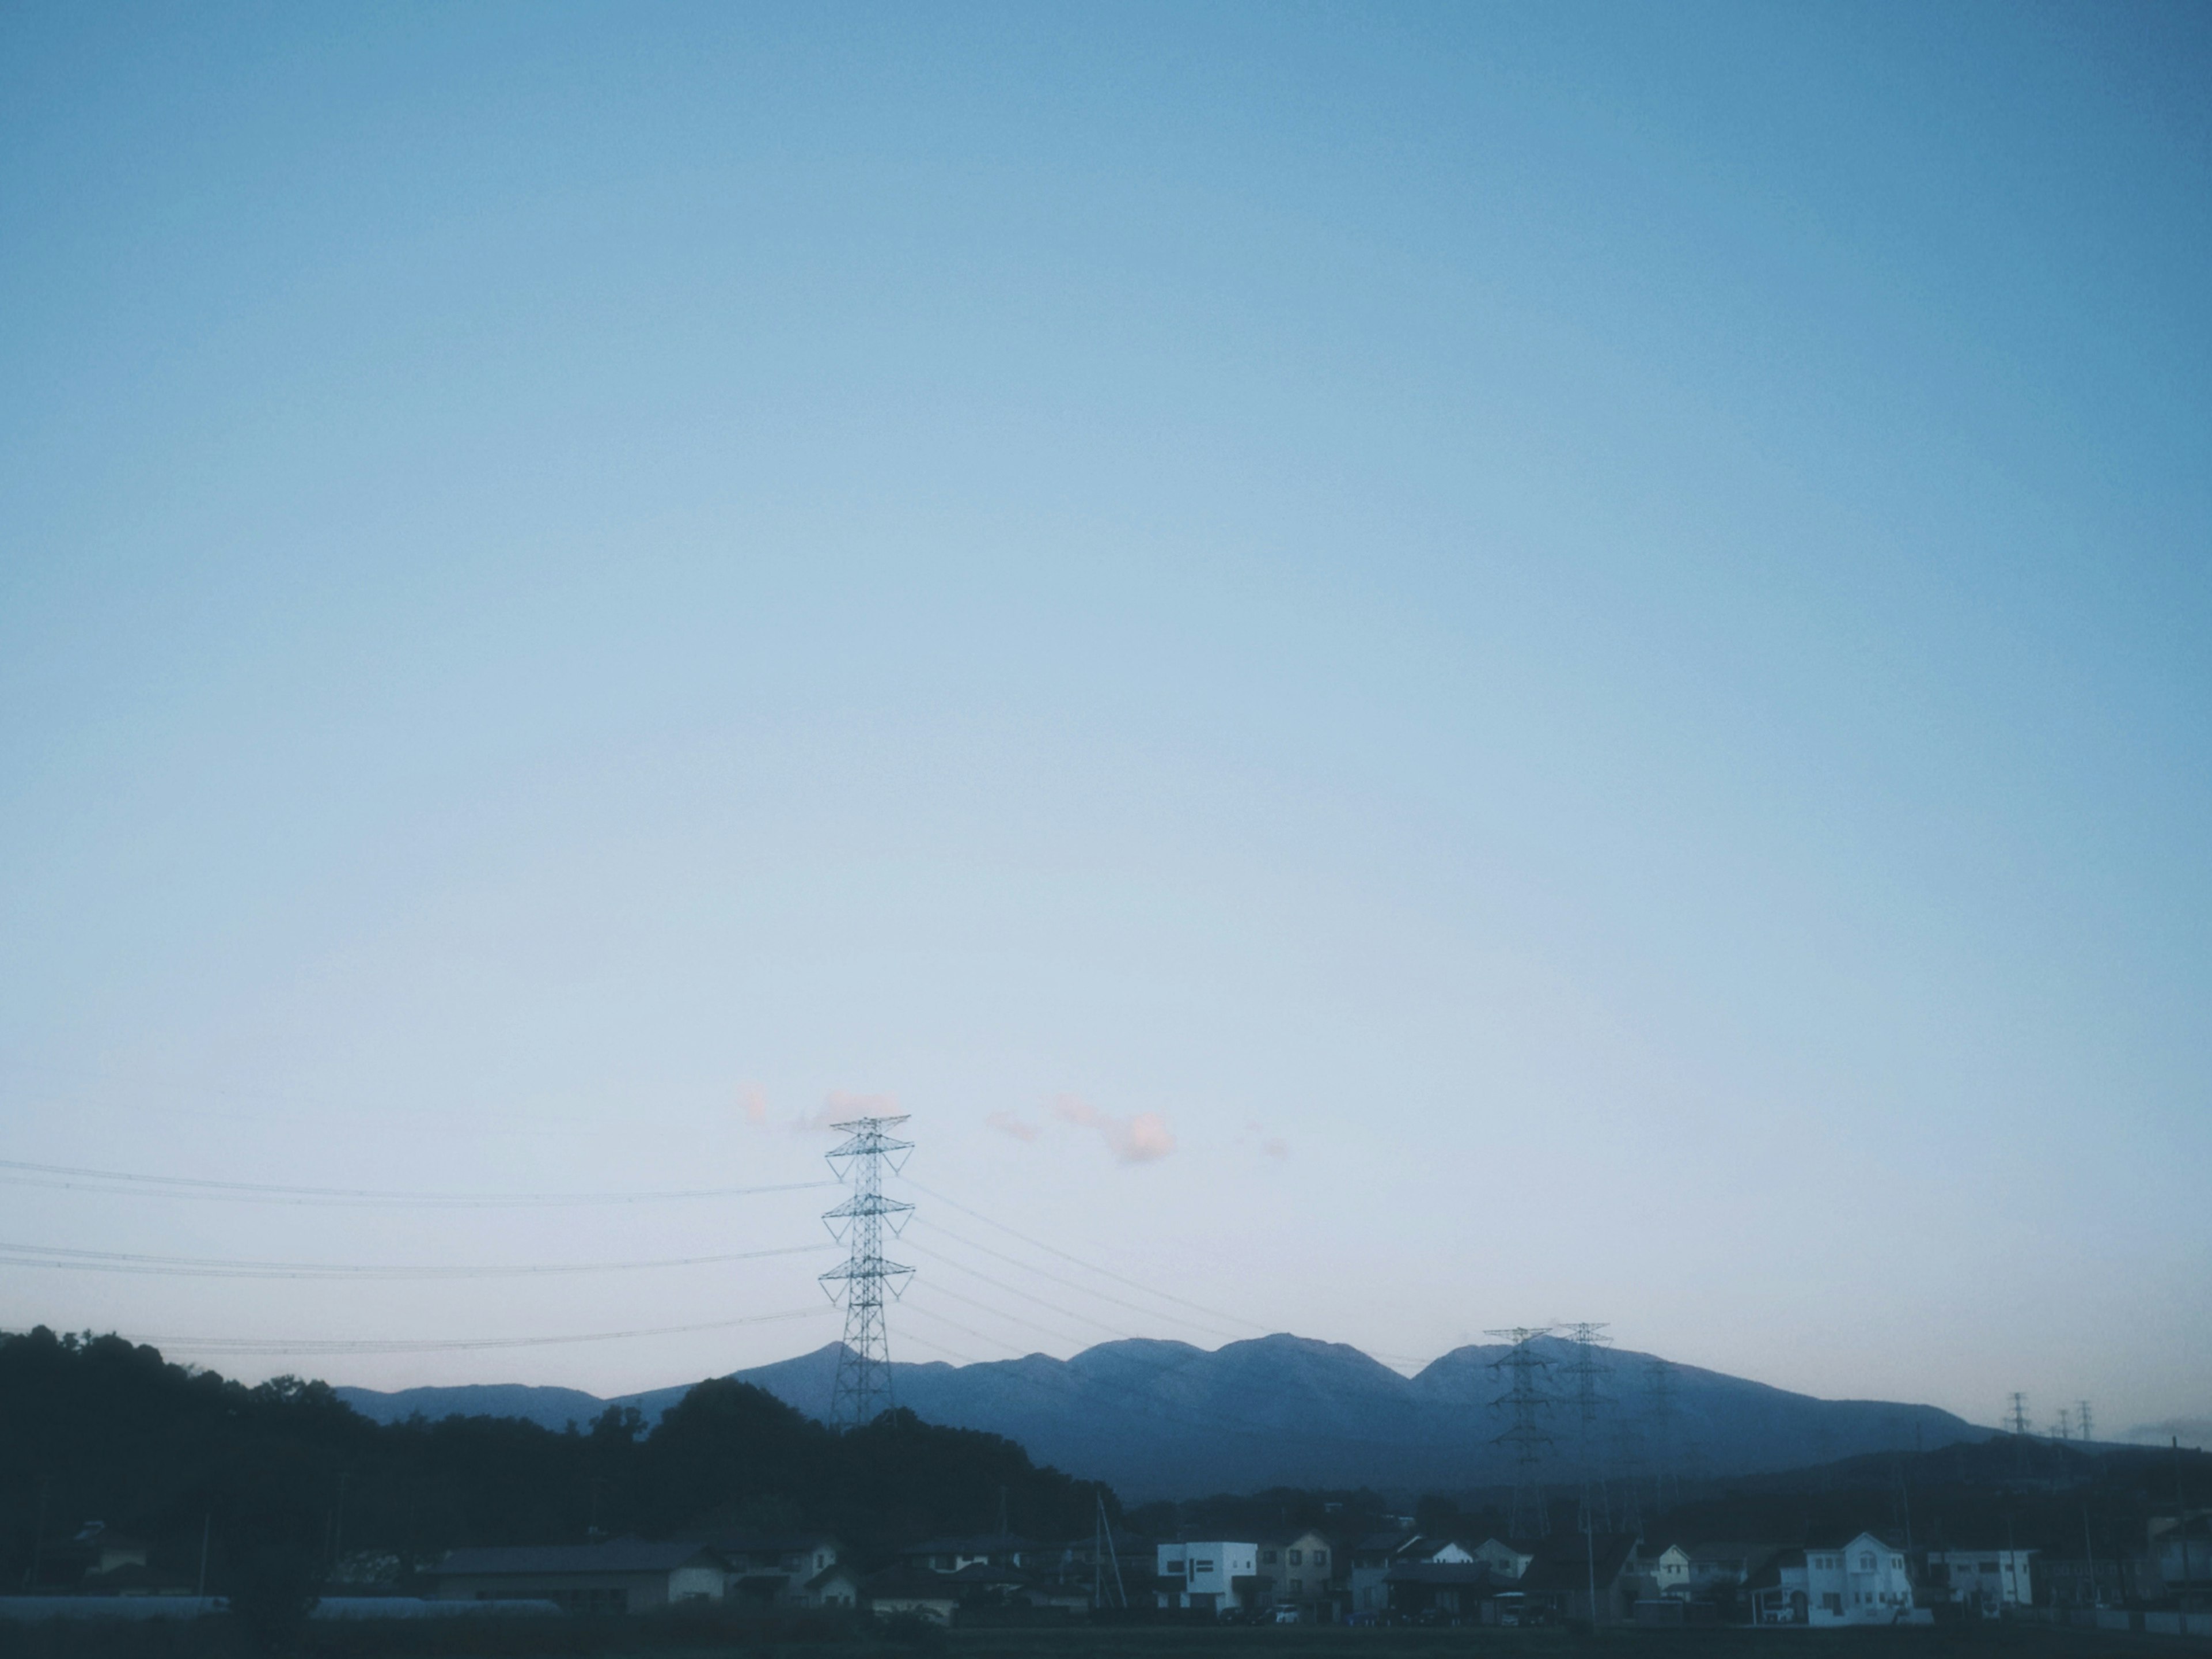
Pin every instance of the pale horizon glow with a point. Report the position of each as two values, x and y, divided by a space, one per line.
1402 670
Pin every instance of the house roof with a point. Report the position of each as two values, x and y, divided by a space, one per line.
1438 1572
537 1560
987 1543
1567 1564
835 1569
746 1543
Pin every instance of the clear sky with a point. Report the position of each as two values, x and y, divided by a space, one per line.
1402 668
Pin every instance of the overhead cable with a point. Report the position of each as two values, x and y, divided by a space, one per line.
184 1267
333 1346
72 1178
1089 1266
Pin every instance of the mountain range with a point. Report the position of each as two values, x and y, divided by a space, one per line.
1166 1419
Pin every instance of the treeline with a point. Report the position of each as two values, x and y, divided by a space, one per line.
285 1479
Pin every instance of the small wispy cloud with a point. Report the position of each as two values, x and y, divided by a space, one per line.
752 1101
1271 1145
1007 1124
1143 1138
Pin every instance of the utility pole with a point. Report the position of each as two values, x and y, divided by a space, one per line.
863 1387
207 1526
1103 1555
1525 1399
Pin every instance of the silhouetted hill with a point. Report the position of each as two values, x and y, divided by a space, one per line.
1166 1419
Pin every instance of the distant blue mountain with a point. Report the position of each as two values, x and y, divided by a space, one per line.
1165 1419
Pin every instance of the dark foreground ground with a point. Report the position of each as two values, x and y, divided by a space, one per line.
651 1639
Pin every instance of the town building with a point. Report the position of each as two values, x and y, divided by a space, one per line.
1981 1581
2181 1556
1210 1577
1863 1582
801 1570
623 1574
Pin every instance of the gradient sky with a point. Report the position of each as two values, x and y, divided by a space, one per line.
1402 668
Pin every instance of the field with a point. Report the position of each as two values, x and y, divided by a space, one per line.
691 1639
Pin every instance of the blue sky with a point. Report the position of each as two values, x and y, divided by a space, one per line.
1567 645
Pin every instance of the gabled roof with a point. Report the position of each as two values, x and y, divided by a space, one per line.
1438 1572
537 1560
988 1543
1568 1563
747 1543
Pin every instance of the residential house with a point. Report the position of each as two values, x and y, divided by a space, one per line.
1451 1590
799 1570
1981 1581
911 1592
2181 1554
1211 1577
1370 1569
1564 1573
1303 1570
1718 1566
623 1574
1863 1582
1504 1560
1670 1572
997 1549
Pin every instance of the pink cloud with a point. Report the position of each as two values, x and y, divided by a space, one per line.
1007 1124
752 1101
1143 1138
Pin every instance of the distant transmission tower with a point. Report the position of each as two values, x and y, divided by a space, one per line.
2065 1428
1525 1397
2081 1420
2018 1421
1587 1367
863 1387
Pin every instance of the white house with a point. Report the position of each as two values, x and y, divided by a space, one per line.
1987 1579
1209 1576
1862 1583
1504 1560
1670 1572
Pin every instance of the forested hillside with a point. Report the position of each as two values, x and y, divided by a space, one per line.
284 1478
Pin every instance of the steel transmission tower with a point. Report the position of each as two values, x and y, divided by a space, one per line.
1525 1397
863 1387
2082 1421
2018 1421
1588 1368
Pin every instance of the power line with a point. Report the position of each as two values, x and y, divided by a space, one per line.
1088 1267
183 1267
1072 1284
68 1177
335 1346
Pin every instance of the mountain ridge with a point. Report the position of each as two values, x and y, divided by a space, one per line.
1163 1418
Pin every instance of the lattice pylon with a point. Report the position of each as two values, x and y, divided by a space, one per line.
863 1386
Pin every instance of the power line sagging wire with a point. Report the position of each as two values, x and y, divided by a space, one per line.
185 1267
71 1178
1072 1284
1088 1267
241 1344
